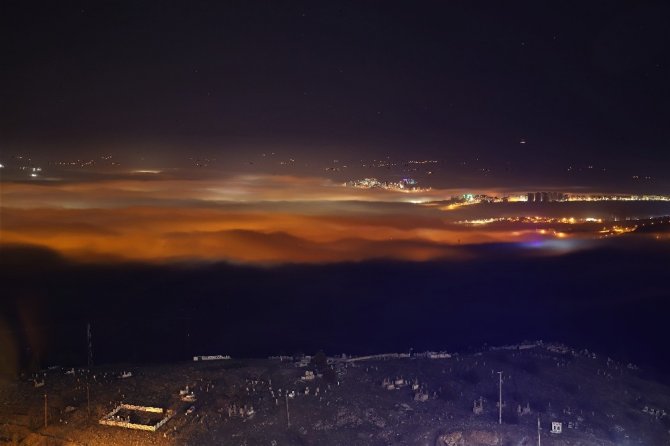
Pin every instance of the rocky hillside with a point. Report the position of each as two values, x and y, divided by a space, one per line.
433 400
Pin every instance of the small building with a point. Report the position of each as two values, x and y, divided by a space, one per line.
556 427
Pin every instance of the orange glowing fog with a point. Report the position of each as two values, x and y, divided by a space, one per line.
241 219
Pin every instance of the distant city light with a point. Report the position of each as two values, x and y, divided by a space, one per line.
532 220
149 171
404 185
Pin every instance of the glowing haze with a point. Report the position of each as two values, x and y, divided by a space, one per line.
244 218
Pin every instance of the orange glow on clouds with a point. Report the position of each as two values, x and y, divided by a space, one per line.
259 219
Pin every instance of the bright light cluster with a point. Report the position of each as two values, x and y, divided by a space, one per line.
404 185
532 219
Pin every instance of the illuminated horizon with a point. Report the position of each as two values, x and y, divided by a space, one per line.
274 219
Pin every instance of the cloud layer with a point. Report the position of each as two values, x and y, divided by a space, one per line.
257 219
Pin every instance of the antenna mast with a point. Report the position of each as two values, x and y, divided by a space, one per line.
500 398
89 338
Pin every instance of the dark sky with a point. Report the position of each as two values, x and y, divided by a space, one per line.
583 82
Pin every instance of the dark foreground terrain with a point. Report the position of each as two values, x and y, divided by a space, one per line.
392 400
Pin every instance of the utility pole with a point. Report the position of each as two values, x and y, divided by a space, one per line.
539 441
288 418
89 338
45 411
88 400
500 397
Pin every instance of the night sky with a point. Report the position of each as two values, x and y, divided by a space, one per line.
581 82
198 162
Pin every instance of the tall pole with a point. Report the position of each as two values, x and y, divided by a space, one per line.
89 339
539 441
45 410
288 419
88 401
499 397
